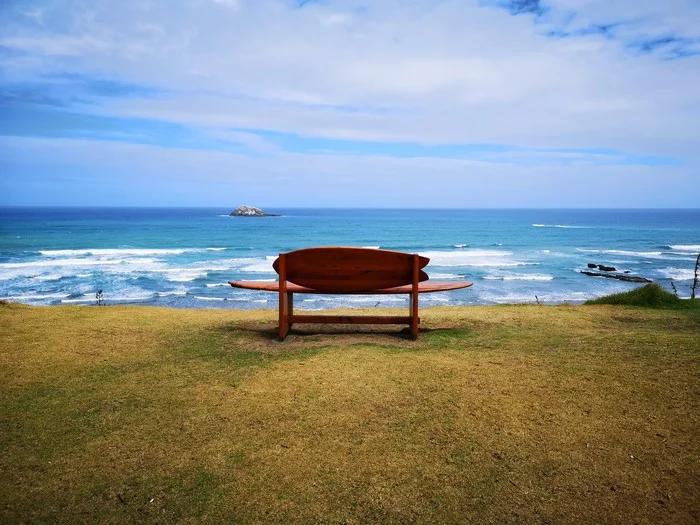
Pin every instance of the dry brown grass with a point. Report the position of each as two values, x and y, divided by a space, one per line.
518 414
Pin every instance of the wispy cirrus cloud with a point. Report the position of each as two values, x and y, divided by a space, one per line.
669 46
519 7
646 27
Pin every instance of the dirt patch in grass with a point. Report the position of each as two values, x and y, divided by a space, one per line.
495 415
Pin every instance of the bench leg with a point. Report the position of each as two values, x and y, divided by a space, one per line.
284 315
413 311
284 297
290 307
413 303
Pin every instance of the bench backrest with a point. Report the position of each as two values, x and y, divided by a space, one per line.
338 269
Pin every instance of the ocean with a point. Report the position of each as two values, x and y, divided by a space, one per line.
183 257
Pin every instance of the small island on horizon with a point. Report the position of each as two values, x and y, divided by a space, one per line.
250 211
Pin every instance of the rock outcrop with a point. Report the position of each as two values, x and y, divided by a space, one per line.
602 267
250 211
628 278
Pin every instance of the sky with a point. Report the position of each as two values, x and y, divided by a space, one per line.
350 103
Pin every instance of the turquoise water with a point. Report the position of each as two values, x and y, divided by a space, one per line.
184 257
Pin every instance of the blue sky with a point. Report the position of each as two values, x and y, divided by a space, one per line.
382 103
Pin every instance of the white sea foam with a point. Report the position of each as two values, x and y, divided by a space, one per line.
50 277
460 245
444 276
209 268
372 247
210 298
628 253
216 249
138 265
90 298
691 248
116 252
255 265
59 268
179 275
128 293
677 274
53 270
375 299
473 258
519 277
559 226
367 299
436 298
77 298
215 285
61 262
35 297
171 293
556 298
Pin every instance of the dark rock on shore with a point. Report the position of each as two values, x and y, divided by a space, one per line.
602 267
628 278
250 211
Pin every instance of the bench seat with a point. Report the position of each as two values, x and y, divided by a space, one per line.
424 287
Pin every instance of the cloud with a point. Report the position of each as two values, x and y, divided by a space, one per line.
549 82
670 46
667 29
100 87
118 173
30 95
61 46
519 7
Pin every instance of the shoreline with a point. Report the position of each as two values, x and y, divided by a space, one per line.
300 308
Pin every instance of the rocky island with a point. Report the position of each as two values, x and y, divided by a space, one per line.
250 211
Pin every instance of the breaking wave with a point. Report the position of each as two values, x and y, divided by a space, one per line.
565 226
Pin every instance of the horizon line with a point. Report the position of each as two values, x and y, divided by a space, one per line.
347 208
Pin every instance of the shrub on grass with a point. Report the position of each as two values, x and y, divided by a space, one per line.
649 296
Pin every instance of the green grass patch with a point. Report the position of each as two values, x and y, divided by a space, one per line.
448 337
648 296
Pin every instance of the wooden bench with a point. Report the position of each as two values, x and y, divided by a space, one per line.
344 270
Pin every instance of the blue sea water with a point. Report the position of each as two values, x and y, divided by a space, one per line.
184 257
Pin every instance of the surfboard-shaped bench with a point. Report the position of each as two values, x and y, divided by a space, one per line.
345 270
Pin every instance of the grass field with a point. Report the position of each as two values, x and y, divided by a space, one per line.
511 414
